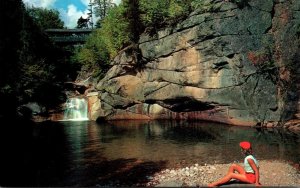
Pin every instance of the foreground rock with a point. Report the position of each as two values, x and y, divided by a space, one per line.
272 173
226 62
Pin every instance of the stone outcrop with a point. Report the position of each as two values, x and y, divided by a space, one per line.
226 62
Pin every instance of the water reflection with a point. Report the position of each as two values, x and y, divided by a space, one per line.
125 153
189 142
165 144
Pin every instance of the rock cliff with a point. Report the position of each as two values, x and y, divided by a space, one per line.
228 62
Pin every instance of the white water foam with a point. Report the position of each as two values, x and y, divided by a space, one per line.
77 110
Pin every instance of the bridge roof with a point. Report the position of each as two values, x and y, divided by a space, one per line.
68 30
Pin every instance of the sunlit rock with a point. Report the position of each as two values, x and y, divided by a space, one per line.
209 67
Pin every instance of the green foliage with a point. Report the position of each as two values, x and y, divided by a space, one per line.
122 26
153 13
132 14
94 51
115 31
11 17
93 55
32 68
158 13
203 5
102 7
87 56
45 18
179 9
104 43
82 23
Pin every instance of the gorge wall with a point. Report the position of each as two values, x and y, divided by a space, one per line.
228 62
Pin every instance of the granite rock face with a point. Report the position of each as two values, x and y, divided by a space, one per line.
226 62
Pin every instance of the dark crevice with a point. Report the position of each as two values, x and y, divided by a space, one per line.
256 84
185 104
230 56
242 3
208 37
123 106
220 65
165 55
274 109
128 71
272 17
203 39
273 11
150 101
72 86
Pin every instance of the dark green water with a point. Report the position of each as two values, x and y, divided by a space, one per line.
126 153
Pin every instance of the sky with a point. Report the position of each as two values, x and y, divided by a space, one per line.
69 10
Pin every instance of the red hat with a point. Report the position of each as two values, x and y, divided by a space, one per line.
245 145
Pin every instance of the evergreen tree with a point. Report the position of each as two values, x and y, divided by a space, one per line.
101 9
90 14
11 16
45 18
82 23
132 14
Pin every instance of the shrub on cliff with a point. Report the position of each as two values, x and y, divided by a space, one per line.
93 56
104 43
123 24
157 13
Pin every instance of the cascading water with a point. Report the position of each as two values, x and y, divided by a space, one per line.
77 110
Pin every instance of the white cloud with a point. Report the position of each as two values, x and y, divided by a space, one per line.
71 15
85 2
39 3
117 1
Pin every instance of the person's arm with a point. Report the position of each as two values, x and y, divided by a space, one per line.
255 169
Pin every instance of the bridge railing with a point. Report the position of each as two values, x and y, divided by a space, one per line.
68 35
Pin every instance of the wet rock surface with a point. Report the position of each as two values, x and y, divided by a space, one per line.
272 173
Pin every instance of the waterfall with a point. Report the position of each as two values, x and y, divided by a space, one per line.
76 110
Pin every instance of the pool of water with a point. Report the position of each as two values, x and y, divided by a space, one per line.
126 153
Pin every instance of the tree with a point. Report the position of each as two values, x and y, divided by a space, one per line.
90 14
115 31
94 55
82 23
105 42
11 16
32 67
101 9
45 18
132 14
157 13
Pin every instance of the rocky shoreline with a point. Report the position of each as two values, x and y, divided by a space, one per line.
272 173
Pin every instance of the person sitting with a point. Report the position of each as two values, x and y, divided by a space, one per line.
248 174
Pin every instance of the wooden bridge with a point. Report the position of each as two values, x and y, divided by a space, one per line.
68 36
